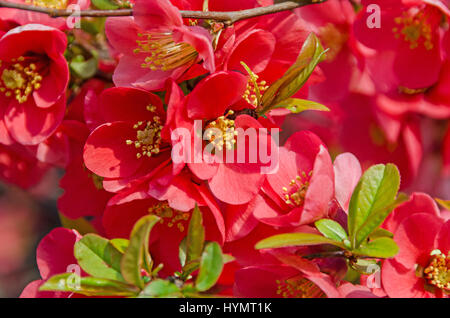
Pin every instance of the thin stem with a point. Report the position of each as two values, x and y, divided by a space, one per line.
338 254
227 17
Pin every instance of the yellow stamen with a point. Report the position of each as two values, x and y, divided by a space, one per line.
164 53
299 287
298 188
20 80
227 130
413 29
51 4
148 136
437 273
170 216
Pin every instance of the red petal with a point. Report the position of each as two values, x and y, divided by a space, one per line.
347 171
107 154
156 14
214 94
55 252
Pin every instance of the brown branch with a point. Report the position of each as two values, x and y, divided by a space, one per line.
227 17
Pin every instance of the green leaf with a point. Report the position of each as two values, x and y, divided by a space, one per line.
375 219
227 258
189 268
211 266
297 105
93 27
98 257
295 239
331 229
182 252
160 288
105 4
383 247
136 255
81 225
296 76
365 266
375 191
84 69
195 239
120 244
380 232
444 203
89 286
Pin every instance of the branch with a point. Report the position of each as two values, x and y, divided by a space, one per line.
227 17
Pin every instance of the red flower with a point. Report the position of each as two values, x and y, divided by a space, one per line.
33 80
22 17
348 290
422 267
303 187
214 104
118 221
156 45
83 192
296 278
19 167
347 172
128 145
332 21
408 42
417 203
375 137
54 254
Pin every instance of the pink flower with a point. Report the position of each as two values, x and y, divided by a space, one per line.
296 278
54 255
19 167
375 137
421 268
83 192
303 187
407 42
417 203
214 103
22 17
332 21
33 80
347 172
118 221
127 143
156 45
348 290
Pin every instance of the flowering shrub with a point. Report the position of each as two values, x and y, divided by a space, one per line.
233 148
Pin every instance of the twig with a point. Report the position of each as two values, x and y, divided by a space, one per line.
339 254
228 17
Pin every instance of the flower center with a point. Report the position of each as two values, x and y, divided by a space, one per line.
20 79
437 272
299 287
164 53
170 216
254 88
221 132
413 28
51 4
148 136
298 187
333 39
